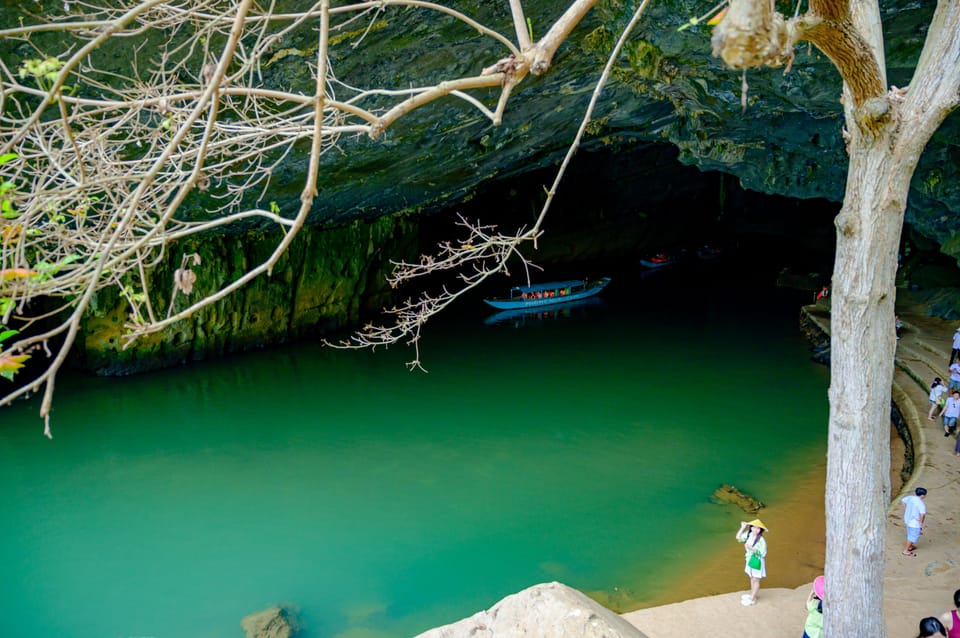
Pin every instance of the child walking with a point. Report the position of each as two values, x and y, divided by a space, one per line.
937 389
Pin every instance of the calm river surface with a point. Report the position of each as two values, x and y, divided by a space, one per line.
383 502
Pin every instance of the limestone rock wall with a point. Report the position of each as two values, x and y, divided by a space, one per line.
328 279
666 89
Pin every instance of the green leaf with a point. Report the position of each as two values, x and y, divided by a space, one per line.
48 270
6 210
6 157
6 334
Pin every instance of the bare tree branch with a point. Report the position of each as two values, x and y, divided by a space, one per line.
96 164
483 253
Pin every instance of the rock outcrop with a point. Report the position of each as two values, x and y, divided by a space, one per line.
276 622
549 610
666 90
731 494
328 279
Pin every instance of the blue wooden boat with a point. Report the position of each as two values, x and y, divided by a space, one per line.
548 294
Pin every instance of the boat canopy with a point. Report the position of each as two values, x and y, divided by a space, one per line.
553 285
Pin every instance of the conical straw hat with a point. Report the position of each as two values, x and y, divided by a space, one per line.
758 523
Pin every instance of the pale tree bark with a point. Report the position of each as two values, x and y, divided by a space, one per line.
882 162
861 372
886 132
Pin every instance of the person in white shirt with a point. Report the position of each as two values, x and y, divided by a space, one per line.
950 412
914 513
955 352
755 557
936 392
955 375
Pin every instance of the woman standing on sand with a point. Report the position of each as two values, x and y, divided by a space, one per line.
755 557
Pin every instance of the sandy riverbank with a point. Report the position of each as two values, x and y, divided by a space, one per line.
798 552
796 546
913 587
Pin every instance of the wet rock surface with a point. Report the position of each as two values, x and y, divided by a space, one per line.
731 495
276 622
549 610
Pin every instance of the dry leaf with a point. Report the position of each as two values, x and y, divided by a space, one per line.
184 279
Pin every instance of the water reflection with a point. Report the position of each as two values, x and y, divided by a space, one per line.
520 317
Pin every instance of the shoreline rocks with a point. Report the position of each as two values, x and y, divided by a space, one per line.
547 609
731 494
278 621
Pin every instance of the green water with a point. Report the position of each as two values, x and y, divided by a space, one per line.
383 502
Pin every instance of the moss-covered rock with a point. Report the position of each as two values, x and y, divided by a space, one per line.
731 495
327 280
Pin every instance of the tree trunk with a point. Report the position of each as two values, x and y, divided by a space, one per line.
886 131
883 157
862 351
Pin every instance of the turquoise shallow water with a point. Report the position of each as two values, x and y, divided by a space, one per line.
383 502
